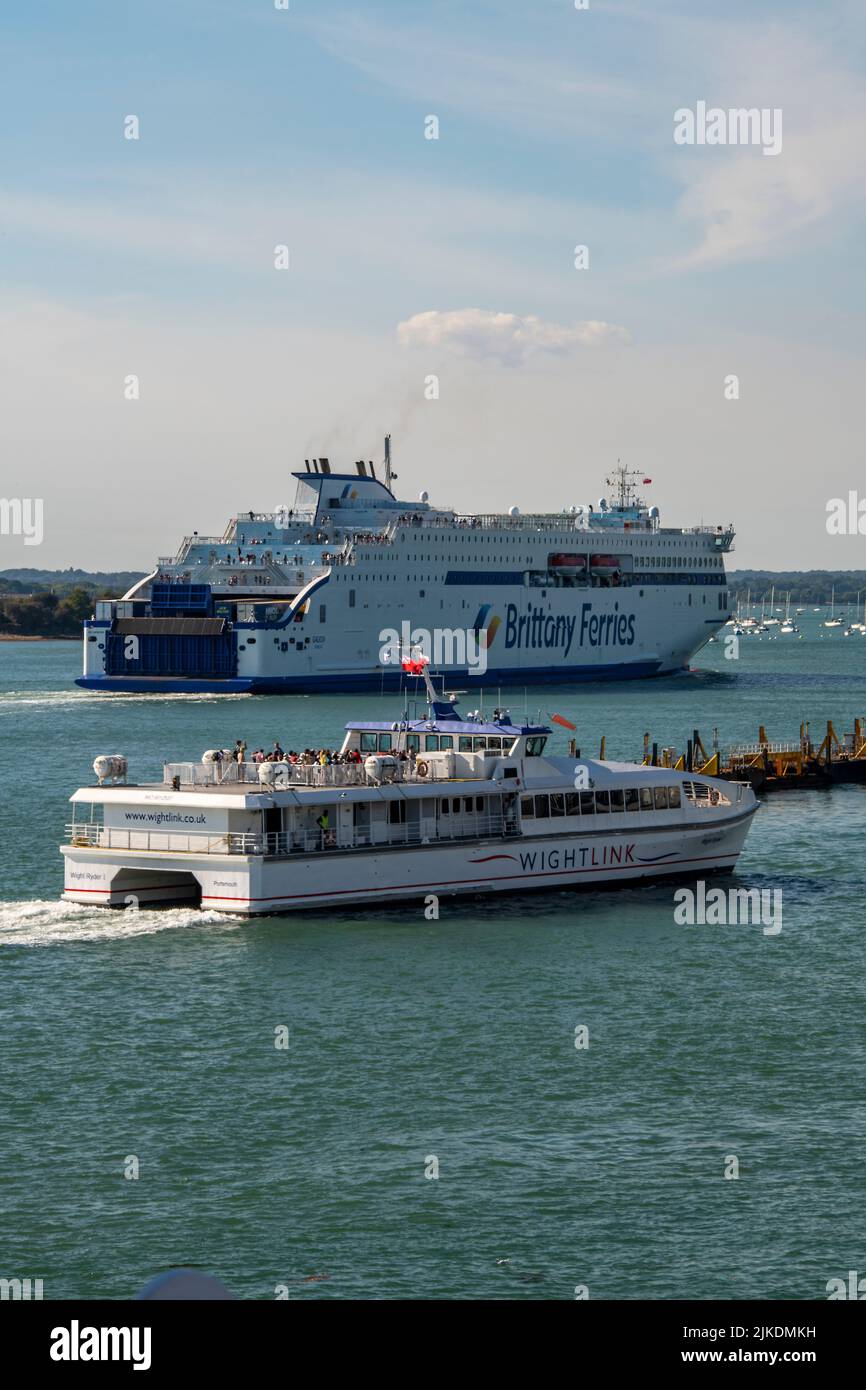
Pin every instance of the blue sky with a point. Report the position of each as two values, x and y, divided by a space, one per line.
261 127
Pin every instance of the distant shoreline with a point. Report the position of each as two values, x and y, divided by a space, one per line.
21 637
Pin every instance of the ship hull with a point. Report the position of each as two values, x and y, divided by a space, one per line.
376 680
250 886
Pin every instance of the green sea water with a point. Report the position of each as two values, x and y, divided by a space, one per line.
152 1035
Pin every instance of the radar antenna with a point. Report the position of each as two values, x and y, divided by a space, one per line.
624 482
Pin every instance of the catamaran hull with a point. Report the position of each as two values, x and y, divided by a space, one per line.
253 885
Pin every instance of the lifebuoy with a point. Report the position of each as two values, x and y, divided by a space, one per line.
422 768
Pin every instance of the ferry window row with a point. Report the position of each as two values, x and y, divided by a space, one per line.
461 805
599 803
444 743
435 743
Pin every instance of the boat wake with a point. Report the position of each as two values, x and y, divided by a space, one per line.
31 698
53 922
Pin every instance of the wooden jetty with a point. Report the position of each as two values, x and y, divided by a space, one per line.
767 765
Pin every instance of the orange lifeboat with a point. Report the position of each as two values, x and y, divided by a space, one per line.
604 564
568 565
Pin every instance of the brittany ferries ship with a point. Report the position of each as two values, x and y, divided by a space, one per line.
304 598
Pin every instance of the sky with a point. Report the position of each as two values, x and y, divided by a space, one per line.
431 289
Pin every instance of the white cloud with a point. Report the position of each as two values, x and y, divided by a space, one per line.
530 86
508 338
620 92
745 206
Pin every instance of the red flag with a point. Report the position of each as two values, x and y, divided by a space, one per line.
647 480
560 719
414 666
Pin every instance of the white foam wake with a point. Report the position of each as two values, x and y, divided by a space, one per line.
16 698
47 923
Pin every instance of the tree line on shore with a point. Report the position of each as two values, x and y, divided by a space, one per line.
54 603
812 587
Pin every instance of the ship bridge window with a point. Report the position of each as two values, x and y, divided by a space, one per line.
673 798
368 743
646 798
431 743
542 806
602 803
617 800
413 741
632 799
527 807
557 804
384 743
464 744
535 746
661 798
479 745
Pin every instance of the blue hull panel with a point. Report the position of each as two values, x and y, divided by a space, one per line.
367 681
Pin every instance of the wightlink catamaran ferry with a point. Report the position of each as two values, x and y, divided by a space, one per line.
317 596
440 805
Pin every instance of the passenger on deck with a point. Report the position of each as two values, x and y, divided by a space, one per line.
240 757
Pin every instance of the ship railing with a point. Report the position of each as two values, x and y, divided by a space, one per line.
287 775
92 835
705 797
497 521
753 750
277 843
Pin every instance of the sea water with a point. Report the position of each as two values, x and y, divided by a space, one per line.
525 1098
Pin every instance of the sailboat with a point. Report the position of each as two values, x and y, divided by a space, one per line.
833 621
787 625
748 622
771 621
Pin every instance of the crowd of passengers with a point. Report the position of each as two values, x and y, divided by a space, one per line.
310 757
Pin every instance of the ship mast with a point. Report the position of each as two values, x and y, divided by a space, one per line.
389 475
624 483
